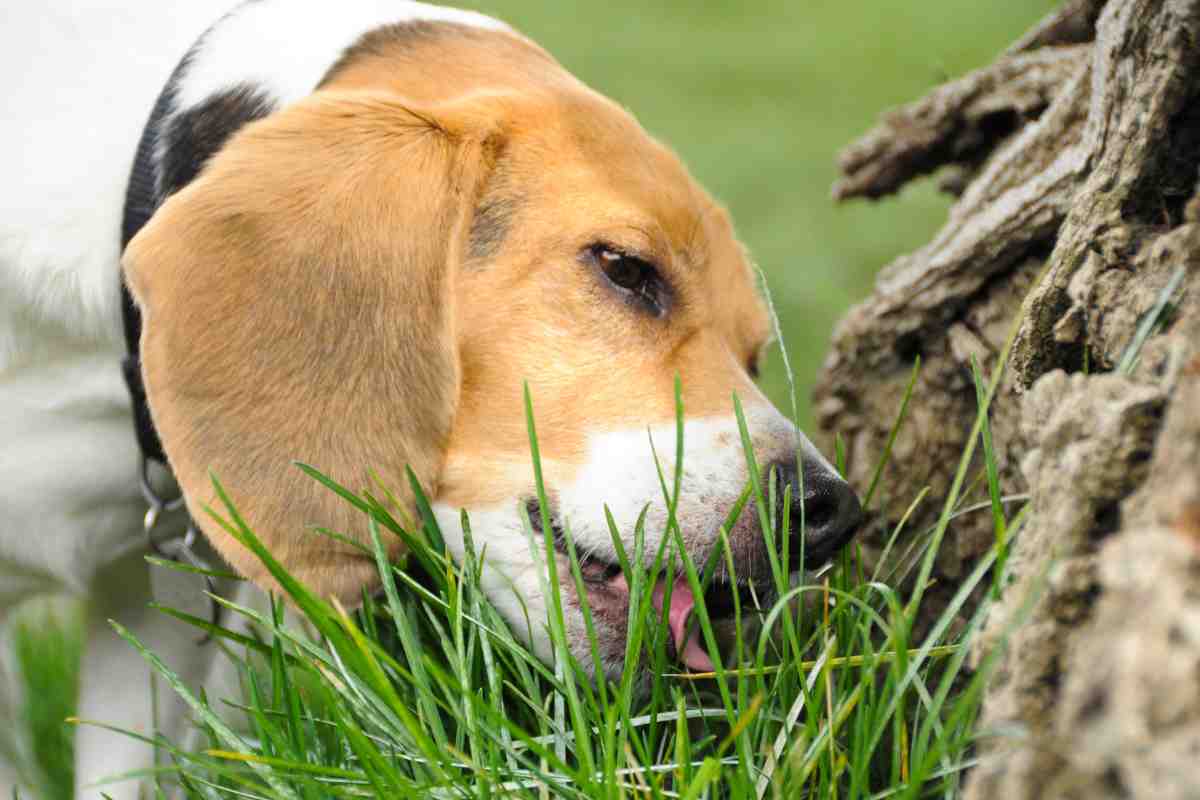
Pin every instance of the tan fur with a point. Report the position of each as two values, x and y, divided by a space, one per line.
310 296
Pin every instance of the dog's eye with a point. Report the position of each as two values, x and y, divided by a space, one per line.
631 274
626 271
752 367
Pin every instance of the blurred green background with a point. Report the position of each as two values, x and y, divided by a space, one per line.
758 97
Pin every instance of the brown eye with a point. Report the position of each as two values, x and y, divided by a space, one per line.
625 271
752 367
632 275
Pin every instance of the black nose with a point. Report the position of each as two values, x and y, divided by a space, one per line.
825 512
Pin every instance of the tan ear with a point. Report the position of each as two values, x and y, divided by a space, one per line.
298 306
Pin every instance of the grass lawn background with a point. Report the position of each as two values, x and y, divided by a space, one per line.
757 98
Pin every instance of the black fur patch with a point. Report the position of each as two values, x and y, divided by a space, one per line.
192 137
141 195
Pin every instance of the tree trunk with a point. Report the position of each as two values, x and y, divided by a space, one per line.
1076 159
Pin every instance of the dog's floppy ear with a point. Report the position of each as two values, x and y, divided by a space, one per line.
298 305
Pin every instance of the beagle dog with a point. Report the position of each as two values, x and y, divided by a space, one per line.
370 224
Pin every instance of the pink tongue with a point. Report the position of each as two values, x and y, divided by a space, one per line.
682 602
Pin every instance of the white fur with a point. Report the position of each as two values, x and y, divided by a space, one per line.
287 46
78 79
621 471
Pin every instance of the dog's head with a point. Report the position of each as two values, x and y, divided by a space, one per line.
365 280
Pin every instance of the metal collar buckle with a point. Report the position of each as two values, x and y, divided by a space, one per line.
179 548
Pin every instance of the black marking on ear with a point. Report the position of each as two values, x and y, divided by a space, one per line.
193 136
493 219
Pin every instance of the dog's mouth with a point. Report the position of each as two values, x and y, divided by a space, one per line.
608 597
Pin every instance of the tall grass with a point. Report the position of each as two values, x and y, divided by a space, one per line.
425 691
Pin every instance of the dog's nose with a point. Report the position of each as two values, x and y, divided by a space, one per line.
825 512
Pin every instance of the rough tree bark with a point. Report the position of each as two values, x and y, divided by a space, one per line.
1076 161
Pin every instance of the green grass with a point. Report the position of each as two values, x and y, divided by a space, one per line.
46 639
426 692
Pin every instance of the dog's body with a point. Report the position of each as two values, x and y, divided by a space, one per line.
527 185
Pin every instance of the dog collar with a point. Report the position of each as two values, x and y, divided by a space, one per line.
145 192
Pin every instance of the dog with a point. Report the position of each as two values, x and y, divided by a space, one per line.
368 226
